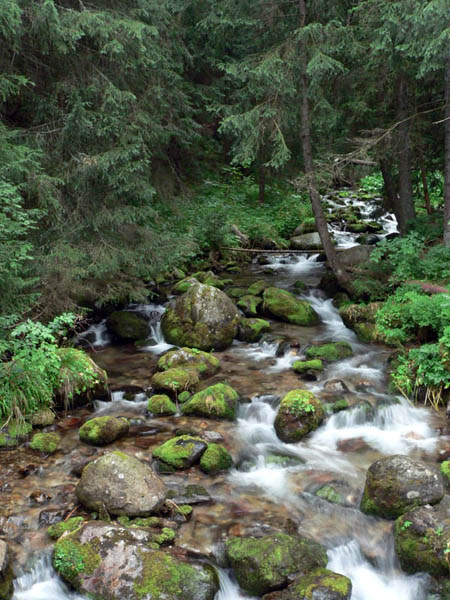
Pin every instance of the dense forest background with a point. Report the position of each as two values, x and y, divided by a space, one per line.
133 134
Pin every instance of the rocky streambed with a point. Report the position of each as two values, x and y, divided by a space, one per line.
238 474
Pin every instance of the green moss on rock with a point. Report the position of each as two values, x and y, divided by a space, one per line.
299 413
249 305
181 452
287 307
47 443
182 286
236 292
161 405
251 330
329 493
100 431
330 352
302 366
42 418
216 458
445 472
217 401
56 531
128 326
258 287
324 583
204 363
71 559
175 380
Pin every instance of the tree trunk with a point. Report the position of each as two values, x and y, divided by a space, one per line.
391 196
447 157
406 211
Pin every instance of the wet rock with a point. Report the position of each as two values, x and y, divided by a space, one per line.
396 484
191 494
422 539
175 380
212 437
287 307
308 226
445 472
355 256
204 318
368 239
307 367
236 292
269 563
329 284
6 573
100 431
306 241
47 443
204 363
330 352
42 418
87 557
336 386
13 433
122 484
299 413
252 330
161 405
321 584
257 288
263 260
218 401
216 458
249 305
181 452
182 286
127 325
56 530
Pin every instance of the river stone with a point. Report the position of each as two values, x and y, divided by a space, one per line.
127 325
422 539
217 401
397 484
249 305
287 307
204 363
181 452
47 443
216 458
100 431
321 584
204 318
299 413
445 472
42 418
330 352
175 380
161 405
306 241
122 484
251 330
106 561
258 287
308 226
181 287
353 257
6 573
265 564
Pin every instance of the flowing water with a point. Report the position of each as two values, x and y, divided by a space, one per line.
273 485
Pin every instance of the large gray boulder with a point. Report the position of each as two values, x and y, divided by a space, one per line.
352 257
397 484
306 241
122 485
103 560
204 318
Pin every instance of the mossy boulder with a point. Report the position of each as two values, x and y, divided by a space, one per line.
161 405
216 458
204 318
359 313
100 431
80 379
205 363
87 558
56 530
264 564
285 306
306 241
175 380
307 226
257 288
181 452
299 413
445 472
251 330
47 443
305 366
368 333
181 287
128 325
42 418
249 305
122 485
330 352
217 401
236 292
397 484
13 432
321 584
422 539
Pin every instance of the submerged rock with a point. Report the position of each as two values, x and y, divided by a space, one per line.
330 352
204 318
120 563
251 330
181 452
396 484
204 363
100 431
287 307
422 539
269 563
127 325
175 380
122 485
218 401
299 413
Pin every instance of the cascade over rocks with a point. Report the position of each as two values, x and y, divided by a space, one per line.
122 485
204 318
118 563
397 484
265 564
